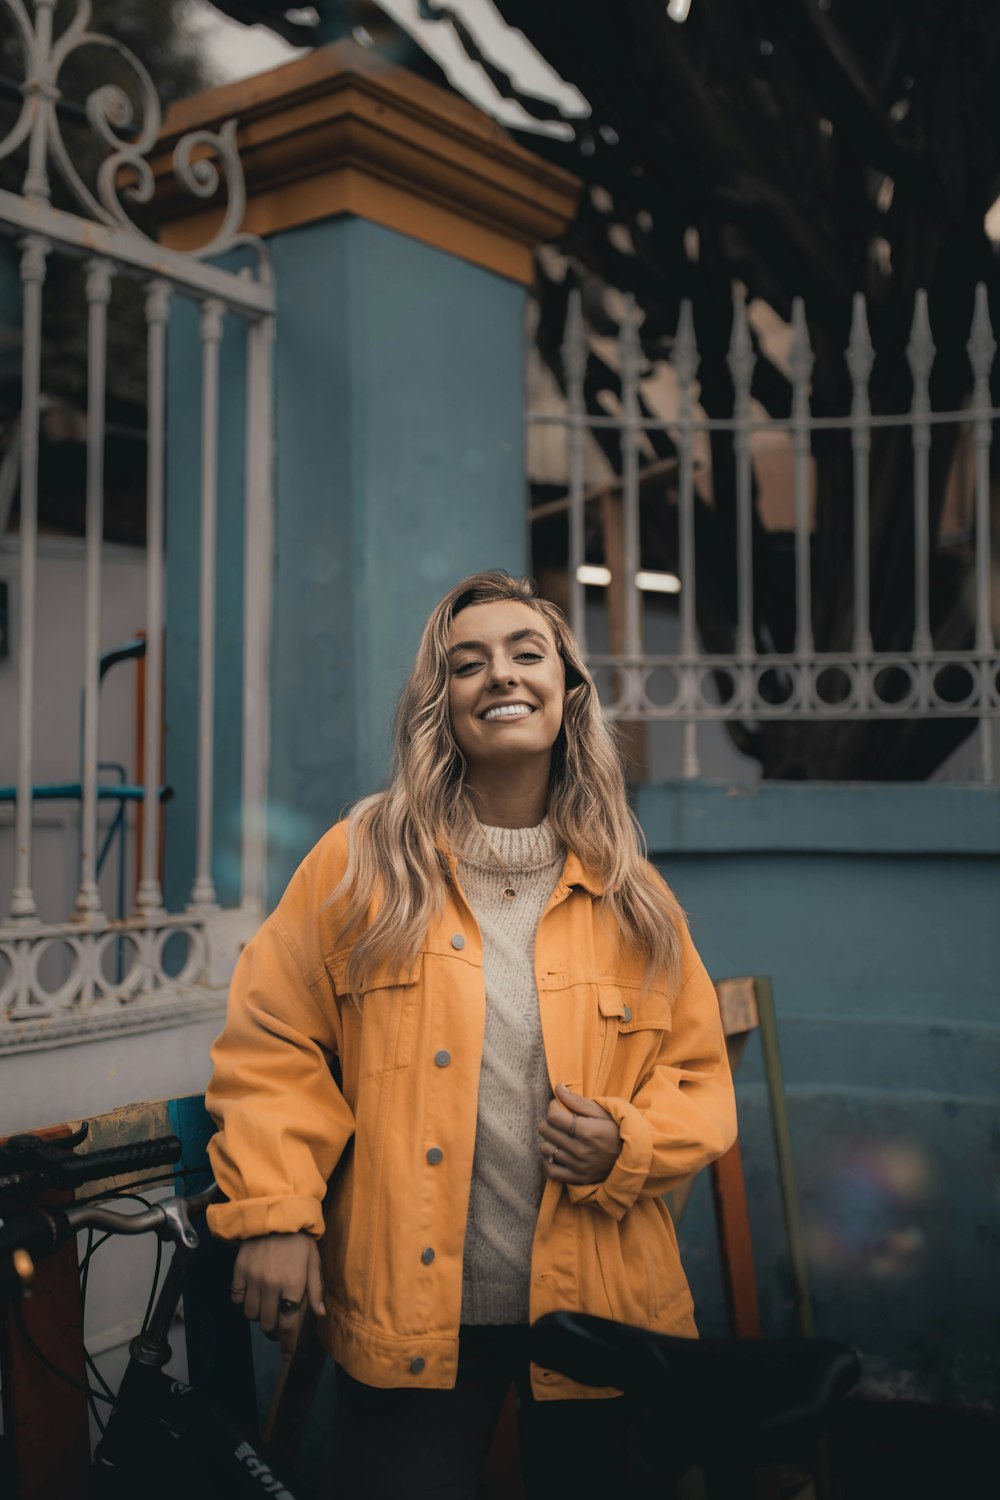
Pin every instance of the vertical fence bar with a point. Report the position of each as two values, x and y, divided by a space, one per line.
257 615
741 363
33 261
982 348
574 356
801 363
36 179
212 312
860 359
920 353
630 355
684 359
98 292
149 897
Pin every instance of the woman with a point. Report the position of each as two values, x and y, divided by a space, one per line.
530 1055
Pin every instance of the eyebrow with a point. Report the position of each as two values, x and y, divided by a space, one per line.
515 635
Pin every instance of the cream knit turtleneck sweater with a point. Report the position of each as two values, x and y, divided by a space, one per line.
514 1088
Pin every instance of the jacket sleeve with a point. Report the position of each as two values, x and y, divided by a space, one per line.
282 1121
683 1115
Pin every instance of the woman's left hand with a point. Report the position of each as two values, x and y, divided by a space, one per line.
582 1137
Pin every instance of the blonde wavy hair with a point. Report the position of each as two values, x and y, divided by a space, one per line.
396 866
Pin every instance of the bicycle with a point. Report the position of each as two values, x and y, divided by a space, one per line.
727 1405
163 1437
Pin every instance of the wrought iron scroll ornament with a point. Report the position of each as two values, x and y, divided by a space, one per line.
129 128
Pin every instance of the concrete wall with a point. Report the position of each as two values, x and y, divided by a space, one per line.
58 685
874 910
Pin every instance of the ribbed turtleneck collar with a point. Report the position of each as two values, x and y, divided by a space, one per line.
517 848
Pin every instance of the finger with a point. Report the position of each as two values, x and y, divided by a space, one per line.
577 1127
238 1280
566 1145
560 1173
558 1115
578 1104
289 1323
269 1312
564 1149
251 1303
314 1283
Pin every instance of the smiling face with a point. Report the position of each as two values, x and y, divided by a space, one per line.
505 684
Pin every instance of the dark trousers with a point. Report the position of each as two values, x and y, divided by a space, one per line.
406 1444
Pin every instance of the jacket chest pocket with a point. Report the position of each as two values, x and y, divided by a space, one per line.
388 1015
633 1021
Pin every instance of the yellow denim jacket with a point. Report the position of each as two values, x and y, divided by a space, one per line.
654 1057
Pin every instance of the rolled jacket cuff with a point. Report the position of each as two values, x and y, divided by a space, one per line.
246 1219
623 1184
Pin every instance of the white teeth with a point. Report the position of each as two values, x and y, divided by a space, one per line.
513 711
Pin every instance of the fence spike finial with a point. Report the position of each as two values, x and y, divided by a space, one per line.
920 350
982 345
741 357
860 349
801 357
684 355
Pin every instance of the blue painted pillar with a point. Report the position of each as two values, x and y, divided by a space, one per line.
399 470
401 223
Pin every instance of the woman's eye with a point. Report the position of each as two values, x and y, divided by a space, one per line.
466 667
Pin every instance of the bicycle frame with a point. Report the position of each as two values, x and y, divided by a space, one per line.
164 1437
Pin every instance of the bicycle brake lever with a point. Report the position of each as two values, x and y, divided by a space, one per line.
177 1224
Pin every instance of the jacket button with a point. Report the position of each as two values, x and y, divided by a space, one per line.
427 1256
416 1365
442 1058
458 941
628 1013
435 1155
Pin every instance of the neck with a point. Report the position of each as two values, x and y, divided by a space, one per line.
513 797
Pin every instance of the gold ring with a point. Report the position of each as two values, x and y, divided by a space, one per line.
238 1291
286 1307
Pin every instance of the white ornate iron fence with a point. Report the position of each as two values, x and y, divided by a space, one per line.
693 686
144 988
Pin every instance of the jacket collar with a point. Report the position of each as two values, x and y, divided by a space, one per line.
575 872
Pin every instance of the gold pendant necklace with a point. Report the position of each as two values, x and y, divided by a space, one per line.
509 893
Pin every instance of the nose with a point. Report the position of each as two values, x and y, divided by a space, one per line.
502 673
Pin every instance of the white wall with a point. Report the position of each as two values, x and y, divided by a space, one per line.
58 684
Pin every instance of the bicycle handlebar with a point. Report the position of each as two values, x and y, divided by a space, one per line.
38 1232
29 1164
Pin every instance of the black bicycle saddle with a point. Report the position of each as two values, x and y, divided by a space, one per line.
766 1393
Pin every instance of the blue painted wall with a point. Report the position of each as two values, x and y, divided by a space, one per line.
874 909
399 469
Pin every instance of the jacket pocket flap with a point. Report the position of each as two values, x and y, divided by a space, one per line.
635 1009
387 976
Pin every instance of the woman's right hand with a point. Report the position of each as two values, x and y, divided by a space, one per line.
276 1269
